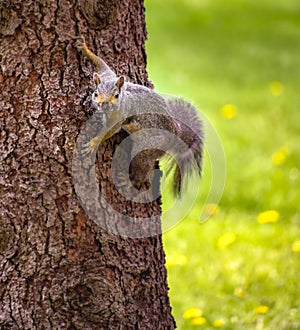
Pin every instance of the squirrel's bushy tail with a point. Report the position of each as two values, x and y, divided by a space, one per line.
188 150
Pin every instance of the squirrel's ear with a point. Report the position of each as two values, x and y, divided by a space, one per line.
120 82
96 78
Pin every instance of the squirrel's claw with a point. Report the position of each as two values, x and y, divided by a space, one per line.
80 42
86 150
90 147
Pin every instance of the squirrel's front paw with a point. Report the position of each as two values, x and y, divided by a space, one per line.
89 147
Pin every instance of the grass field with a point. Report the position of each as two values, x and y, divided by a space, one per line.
239 62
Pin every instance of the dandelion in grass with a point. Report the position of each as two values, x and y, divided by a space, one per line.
269 216
276 88
211 209
218 323
176 259
226 240
239 292
199 320
192 312
296 246
261 309
229 111
280 156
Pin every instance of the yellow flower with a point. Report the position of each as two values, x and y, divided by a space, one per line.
192 312
199 320
176 259
211 209
226 240
218 323
239 292
262 309
228 111
276 88
279 156
296 246
268 217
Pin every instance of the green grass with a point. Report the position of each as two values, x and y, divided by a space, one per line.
229 52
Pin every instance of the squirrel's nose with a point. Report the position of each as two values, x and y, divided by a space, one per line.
105 106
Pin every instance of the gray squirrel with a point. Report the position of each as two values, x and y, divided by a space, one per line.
158 126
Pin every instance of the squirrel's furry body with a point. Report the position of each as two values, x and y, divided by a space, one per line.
158 126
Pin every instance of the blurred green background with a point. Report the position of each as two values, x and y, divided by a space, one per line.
239 62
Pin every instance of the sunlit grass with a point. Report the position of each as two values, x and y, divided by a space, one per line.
239 62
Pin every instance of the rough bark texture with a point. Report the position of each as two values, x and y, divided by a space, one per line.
58 269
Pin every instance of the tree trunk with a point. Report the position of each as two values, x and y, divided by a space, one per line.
63 264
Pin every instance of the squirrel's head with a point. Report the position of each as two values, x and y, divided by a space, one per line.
108 92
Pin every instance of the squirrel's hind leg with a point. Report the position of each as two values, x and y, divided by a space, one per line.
100 65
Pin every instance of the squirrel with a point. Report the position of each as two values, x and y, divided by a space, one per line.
158 126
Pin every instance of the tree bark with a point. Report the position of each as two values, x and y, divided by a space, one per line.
59 269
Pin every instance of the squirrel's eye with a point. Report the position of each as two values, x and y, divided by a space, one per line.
117 95
95 94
